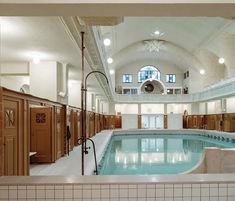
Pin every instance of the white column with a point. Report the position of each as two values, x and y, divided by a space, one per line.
62 83
165 109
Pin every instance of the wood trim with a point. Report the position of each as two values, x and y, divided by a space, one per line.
165 122
16 94
139 121
1 134
19 136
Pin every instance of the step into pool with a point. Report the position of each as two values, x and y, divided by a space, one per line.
146 154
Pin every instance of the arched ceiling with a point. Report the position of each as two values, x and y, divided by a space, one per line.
169 52
183 37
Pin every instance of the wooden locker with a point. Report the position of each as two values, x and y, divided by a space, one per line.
10 137
41 134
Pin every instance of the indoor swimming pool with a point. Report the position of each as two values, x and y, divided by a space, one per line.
146 154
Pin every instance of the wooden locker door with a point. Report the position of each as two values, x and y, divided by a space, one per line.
75 128
165 122
139 121
41 134
71 141
10 133
79 125
58 132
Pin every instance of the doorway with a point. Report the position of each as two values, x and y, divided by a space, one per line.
152 121
41 134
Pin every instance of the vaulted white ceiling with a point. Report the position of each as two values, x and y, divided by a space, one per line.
183 37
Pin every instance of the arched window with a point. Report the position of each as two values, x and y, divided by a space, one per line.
148 72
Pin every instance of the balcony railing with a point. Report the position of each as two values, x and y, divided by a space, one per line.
222 89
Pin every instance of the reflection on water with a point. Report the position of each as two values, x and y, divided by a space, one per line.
154 154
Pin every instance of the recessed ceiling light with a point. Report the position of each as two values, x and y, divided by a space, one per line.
111 72
157 32
107 42
202 71
221 60
110 60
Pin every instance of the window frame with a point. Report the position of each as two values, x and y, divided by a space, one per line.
170 78
131 90
130 78
146 74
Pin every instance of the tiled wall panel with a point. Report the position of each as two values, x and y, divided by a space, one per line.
120 192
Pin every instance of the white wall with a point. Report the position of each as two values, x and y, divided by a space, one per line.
214 71
230 105
74 93
105 107
195 108
175 121
14 68
14 82
163 67
202 108
62 83
178 108
214 107
97 105
195 81
152 108
129 121
14 75
43 80
89 101
126 108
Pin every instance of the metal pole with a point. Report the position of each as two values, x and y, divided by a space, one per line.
82 104
88 138
84 108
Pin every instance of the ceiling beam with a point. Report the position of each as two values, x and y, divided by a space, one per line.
210 8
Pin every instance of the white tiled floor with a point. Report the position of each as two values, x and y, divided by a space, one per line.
71 165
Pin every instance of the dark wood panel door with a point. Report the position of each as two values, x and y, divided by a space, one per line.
75 128
118 122
10 136
10 155
165 122
41 134
71 141
79 125
59 135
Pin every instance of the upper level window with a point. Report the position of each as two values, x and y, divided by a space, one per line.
170 78
130 91
186 74
126 78
148 72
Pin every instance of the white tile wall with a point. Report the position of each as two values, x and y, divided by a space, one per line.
120 192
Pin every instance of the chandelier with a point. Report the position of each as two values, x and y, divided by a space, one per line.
153 45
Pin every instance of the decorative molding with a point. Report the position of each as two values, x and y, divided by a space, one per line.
40 118
10 117
153 45
92 55
100 21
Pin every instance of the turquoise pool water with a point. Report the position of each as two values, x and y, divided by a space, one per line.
155 154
